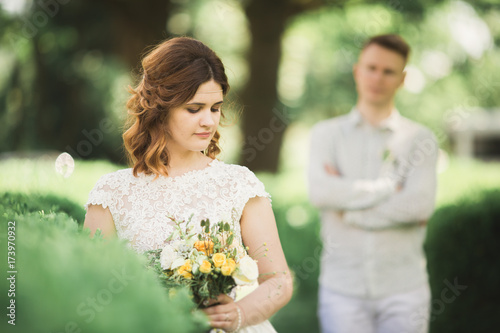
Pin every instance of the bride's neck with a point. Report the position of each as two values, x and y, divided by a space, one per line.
181 163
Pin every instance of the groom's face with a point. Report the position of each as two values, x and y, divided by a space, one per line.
378 74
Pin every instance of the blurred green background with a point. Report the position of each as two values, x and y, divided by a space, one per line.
66 66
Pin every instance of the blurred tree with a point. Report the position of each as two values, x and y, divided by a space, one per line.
75 47
58 96
265 120
265 117
135 25
449 73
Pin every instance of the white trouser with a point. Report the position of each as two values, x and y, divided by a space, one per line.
406 312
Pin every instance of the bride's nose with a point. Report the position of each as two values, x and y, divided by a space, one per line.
207 118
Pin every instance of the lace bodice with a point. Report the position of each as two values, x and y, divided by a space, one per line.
141 206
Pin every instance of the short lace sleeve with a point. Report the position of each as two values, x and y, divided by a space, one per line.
103 194
251 187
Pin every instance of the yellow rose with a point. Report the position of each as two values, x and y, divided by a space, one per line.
205 267
219 259
228 267
204 246
187 265
185 270
182 271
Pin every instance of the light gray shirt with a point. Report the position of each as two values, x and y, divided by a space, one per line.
372 230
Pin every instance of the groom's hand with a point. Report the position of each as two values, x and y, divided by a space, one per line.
331 170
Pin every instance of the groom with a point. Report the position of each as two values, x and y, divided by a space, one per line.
372 174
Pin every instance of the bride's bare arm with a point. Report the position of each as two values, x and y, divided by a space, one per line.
259 232
258 227
98 217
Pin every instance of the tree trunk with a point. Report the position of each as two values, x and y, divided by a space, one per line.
126 29
264 122
136 26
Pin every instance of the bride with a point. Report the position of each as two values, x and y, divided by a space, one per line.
172 142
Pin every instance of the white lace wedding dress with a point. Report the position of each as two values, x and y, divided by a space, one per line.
140 206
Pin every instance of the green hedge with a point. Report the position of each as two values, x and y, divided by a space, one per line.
67 282
22 203
302 247
463 251
59 269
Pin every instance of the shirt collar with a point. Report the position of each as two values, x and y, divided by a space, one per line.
391 122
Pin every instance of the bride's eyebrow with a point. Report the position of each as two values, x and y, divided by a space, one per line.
203 104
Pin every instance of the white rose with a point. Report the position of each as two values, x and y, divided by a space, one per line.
197 262
167 257
242 291
240 250
178 262
247 271
177 244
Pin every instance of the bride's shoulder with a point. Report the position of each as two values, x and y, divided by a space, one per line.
239 174
234 170
241 180
115 178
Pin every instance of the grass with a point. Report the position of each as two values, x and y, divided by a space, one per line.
38 176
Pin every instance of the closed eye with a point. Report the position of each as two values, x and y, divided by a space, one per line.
196 107
216 107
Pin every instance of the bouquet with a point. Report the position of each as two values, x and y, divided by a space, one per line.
209 263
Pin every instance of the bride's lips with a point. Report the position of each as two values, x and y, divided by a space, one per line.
203 134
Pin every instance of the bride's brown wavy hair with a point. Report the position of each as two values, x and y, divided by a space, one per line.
171 74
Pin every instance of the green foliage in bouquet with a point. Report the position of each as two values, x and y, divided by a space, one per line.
67 282
208 263
462 258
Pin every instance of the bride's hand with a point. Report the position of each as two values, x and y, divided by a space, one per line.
226 314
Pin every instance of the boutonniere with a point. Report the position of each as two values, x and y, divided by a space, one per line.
388 156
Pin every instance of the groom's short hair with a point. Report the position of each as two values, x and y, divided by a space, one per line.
392 42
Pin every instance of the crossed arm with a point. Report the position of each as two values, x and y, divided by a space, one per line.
329 190
374 204
412 204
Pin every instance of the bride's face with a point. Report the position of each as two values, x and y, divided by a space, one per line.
192 125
